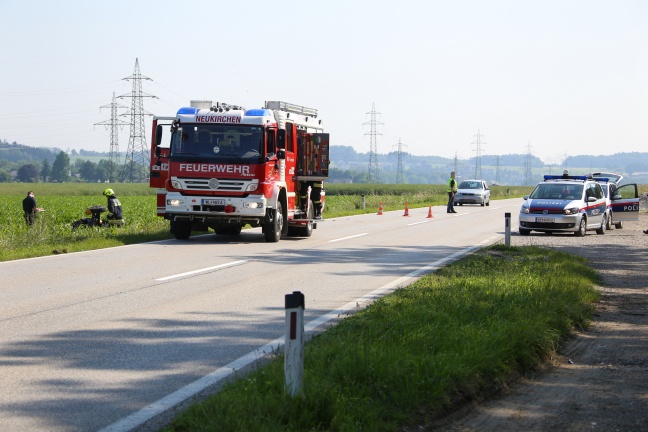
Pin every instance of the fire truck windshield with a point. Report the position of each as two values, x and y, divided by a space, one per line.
216 141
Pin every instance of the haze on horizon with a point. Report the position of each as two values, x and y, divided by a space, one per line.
556 78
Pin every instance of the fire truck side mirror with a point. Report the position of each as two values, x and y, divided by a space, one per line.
281 139
158 137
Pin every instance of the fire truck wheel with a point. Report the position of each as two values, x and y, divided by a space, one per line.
182 229
272 231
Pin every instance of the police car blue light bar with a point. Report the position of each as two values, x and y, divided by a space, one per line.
563 177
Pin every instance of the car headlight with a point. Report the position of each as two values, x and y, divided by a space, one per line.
525 210
174 203
571 211
175 184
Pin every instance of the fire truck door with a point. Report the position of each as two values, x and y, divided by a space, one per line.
160 148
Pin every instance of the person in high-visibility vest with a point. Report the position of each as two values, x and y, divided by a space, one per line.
451 189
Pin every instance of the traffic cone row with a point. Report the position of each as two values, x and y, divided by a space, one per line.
380 210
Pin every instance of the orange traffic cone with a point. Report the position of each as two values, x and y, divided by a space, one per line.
430 213
380 210
406 210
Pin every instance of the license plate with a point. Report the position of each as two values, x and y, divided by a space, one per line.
213 202
545 220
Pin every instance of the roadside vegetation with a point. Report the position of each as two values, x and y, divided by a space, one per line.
64 203
413 355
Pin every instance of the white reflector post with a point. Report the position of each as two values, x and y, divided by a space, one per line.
294 347
507 229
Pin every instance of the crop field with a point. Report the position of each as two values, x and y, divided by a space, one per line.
65 203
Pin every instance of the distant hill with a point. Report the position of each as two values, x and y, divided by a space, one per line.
24 154
21 154
347 165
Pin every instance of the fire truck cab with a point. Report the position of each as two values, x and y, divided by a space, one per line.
222 167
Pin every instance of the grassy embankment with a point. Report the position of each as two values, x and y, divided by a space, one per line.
65 203
450 337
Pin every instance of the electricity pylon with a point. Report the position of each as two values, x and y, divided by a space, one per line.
478 152
137 156
374 175
114 123
497 170
527 165
399 168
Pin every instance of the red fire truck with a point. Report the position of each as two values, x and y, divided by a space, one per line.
222 167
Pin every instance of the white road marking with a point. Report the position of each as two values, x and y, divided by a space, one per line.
205 270
347 238
138 418
416 223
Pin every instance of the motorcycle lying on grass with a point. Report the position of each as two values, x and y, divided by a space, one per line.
95 219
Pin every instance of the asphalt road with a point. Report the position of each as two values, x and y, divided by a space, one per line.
108 339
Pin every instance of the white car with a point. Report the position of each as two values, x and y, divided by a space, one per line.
472 192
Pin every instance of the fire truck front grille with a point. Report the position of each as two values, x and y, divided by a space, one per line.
228 185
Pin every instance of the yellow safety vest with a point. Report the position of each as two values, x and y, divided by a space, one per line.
452 185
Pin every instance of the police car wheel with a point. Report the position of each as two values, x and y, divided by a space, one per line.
603 227
582 228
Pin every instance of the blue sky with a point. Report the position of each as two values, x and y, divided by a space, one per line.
554 77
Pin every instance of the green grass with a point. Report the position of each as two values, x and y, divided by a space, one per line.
416 353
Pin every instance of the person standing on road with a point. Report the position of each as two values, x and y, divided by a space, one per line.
114 206
451 189
30 209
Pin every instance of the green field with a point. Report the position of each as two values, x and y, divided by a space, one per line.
65 203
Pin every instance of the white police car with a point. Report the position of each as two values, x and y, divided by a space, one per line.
573 204
610 183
